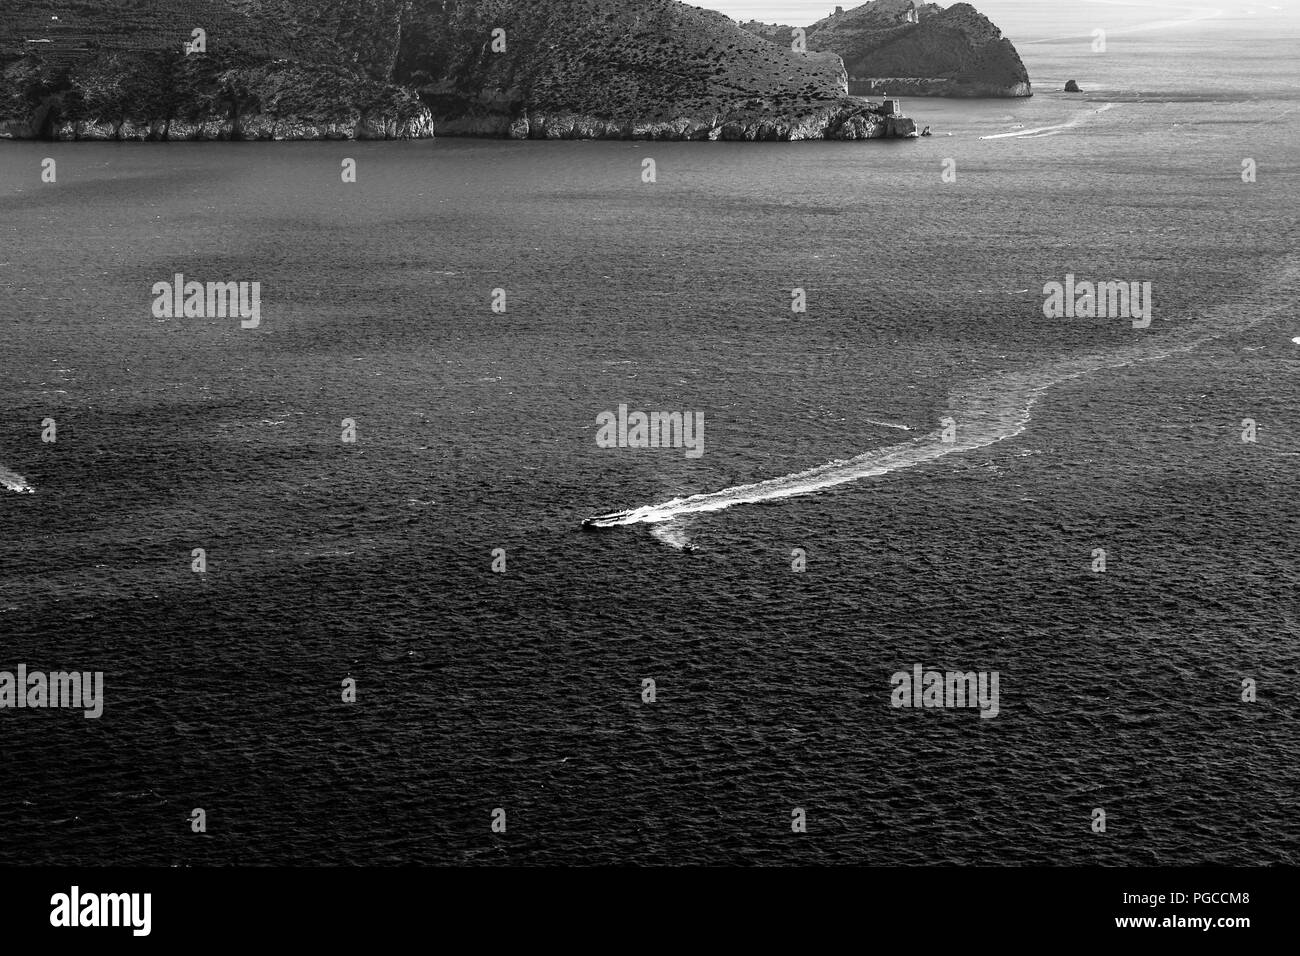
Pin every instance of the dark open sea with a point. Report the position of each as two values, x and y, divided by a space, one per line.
476 431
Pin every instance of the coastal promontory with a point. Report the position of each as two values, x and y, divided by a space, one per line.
402 69
908 49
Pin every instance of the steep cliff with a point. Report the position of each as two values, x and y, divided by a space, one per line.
305 69
902 48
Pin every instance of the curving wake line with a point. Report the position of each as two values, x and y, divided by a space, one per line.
986 411
12 481
1041 131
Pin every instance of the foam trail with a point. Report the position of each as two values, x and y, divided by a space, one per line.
672 534
978 427
15 482
987 411
1040 131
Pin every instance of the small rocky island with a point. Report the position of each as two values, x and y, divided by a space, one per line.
1072 87
407 69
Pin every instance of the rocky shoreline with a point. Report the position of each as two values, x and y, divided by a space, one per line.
413 69
245 129
845 120
947 88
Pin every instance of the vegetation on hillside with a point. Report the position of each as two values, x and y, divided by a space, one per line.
120 65
877 39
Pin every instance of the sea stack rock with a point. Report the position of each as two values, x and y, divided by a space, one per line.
1072 87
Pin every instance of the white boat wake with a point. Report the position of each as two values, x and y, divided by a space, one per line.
12 481
985 412
673 534
1040 131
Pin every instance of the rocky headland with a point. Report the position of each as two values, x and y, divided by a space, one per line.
406 69
904 48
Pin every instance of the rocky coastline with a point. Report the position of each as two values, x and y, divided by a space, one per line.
386 70
845 121
253 128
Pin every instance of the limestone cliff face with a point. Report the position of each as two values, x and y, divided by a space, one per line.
843 120
903 48
392 69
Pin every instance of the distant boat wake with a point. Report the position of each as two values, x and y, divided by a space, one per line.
12 481
1041 131
987 411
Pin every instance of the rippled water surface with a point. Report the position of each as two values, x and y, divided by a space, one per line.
477 432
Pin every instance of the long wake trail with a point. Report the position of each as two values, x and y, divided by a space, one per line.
986 411
1039 132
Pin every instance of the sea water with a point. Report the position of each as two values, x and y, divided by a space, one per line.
923 264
